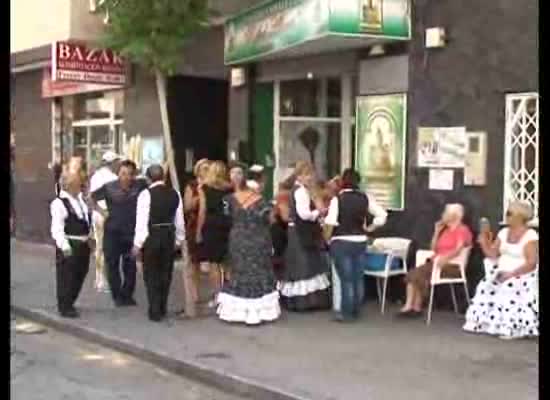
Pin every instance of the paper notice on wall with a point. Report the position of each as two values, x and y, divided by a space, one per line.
441 147
441 179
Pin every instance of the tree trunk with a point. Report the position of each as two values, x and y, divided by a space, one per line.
187 272
161 91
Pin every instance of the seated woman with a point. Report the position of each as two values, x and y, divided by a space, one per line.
505 303
450 237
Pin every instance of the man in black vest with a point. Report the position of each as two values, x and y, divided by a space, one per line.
159 231
345 227
70 229
120 222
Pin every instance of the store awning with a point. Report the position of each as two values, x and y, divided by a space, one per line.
290 28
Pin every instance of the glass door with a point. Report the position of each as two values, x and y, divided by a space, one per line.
97 129
102 139
312 123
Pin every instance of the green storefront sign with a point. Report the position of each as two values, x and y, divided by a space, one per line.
280 24
381 145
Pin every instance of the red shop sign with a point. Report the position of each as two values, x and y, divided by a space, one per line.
77 62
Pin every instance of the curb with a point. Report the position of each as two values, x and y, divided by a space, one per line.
189 369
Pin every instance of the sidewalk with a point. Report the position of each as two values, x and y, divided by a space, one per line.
300 356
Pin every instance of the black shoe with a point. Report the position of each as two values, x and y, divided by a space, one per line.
125 303
131 302
155 318
409 314
69 314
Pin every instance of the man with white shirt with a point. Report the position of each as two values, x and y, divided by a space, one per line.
70 230
159 231
105 174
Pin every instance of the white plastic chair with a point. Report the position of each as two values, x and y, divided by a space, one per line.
461 260
392 247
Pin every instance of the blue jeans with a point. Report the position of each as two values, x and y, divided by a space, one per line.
347 262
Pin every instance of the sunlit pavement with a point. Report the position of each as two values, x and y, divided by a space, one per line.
307 355
46 364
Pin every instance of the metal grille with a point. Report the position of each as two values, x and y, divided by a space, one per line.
521 163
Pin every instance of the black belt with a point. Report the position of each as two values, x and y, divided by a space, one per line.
168 225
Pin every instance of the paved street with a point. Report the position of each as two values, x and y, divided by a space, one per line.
305 355
54 366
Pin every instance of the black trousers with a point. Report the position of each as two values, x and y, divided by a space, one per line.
158 267
115 247
70 274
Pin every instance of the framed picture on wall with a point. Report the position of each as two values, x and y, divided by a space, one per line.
381 147
371 15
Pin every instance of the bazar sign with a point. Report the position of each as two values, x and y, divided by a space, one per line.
281 24
78 63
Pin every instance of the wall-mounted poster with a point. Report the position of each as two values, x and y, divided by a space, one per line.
441 179
371 15
441 147
152 153
381 147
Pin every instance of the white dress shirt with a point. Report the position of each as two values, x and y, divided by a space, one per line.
101 177
142 218
59 215
380 217
303 204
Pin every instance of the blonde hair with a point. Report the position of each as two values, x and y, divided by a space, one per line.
216 176
70 176
303 168
522 209
199 165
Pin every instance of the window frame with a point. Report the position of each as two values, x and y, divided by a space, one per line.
512 142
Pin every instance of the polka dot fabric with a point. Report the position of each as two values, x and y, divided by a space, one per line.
507 309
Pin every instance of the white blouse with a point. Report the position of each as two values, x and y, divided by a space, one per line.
303 205
512 255
142 218
59 215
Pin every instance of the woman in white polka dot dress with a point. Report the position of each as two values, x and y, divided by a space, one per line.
506 300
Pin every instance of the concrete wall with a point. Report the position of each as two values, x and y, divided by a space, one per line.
35 23
34 181
142 112
381 75
85 25
203 56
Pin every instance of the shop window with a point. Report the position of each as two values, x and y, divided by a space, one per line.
311 98
521 179
89 125
310 140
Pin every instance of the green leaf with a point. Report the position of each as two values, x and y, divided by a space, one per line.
152 33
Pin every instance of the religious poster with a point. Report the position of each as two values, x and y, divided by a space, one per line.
441 147
371 15
381 148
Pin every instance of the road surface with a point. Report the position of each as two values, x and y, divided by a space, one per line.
54 366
